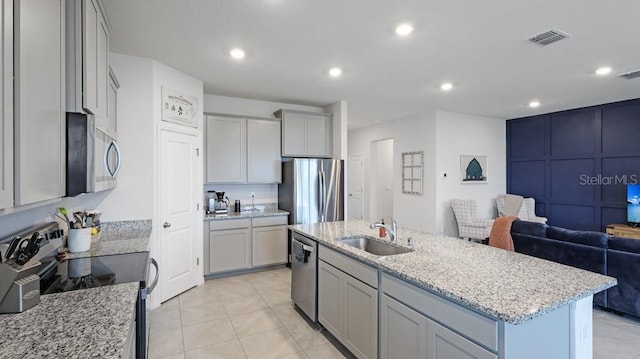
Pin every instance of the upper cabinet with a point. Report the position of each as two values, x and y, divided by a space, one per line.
111 127
39 101
241 150
87 36
6 107
305 134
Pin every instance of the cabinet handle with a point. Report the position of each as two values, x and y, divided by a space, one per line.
166 224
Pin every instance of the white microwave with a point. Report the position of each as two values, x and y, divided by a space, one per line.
93 157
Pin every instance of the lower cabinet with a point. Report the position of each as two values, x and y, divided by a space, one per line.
405 333
235 244
348 307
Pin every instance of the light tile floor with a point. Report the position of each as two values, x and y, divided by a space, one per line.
250 316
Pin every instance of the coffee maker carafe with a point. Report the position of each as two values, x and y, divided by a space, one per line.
219 204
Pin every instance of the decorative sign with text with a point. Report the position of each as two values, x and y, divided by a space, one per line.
179 108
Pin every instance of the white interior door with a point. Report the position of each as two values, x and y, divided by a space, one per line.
178 211
356 186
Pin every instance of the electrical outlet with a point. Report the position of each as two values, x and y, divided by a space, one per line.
253 195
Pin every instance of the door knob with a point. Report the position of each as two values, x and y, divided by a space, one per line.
166 224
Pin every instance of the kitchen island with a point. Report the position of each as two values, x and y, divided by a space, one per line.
466 297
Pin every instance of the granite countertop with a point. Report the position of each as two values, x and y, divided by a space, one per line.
505 285
89 323
118 238
246 214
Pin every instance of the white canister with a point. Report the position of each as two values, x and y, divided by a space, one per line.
79 240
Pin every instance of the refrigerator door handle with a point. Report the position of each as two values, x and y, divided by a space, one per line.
320 198
323 195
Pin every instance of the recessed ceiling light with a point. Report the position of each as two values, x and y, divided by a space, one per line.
603 71
335 72
237 53
534 103
446 86
404 29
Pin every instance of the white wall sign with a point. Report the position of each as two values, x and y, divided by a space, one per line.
179 108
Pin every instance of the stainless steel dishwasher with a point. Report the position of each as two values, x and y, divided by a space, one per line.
304 261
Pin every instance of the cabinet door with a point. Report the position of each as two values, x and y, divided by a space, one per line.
39 100
269 245
318 136
330 296
229 250
226 150
90 15
263 151
6 106
102 67
360 333
403 331
443 343
294 134
112 108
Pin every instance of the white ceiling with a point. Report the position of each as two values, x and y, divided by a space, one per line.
479 46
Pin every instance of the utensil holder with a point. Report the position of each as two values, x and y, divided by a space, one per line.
79 240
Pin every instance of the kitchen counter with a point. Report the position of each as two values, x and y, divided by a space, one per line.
246 214
504 285
118 238
90 323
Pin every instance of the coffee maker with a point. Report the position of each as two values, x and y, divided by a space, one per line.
219 203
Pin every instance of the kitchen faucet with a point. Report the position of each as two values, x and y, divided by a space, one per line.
393 231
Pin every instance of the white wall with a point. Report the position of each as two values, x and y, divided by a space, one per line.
265 193
458 134
382 180
412 134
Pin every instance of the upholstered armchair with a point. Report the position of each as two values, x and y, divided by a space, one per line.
469 225
527 211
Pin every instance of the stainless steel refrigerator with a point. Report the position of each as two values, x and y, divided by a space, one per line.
312 190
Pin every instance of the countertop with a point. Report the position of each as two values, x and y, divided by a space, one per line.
118 238
89 323
504 285
246 214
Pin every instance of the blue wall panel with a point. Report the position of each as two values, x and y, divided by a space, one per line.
575 163
573 132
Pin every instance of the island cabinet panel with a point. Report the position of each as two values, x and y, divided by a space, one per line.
478 328
348 306
443 343
403 331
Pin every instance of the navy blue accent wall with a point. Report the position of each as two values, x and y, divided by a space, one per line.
574 163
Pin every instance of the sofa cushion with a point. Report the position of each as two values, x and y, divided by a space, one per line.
625 244
529 228
622 265
594 239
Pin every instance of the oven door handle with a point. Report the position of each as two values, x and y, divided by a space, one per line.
157 276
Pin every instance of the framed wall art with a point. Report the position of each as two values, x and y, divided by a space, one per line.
412 172
474 169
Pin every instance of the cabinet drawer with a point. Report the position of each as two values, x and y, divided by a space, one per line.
356 269
269 221
477 327
219 224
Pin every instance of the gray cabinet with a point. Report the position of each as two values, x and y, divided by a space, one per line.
229 245
39 62
87 36
305 134
263 151
403 331
347 303
111 127
6 107
269 241
241 150
443 343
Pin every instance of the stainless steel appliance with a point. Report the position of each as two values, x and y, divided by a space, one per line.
312 190
93 156
304 285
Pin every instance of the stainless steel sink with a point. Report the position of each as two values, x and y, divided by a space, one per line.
375 246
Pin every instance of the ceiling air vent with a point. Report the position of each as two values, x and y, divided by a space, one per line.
548 37
630 75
